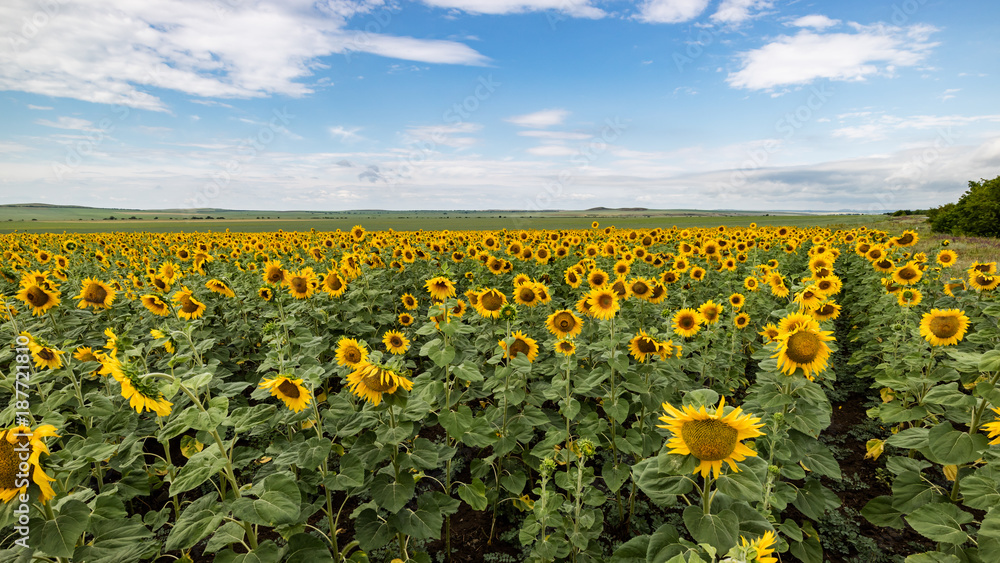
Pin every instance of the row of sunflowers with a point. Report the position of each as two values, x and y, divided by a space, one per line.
588 395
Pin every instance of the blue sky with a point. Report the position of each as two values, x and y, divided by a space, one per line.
511 104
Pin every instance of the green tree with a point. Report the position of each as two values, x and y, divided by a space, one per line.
977 212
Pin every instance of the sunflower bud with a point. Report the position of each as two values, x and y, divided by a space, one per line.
586 447
774 470
547 467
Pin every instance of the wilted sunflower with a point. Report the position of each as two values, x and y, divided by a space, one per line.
155 305
189 307
804 346
710 311
350 352
944 327
395 342
289 390
564 323
522 346
14 443
40 297
711 438
95 293
602 303
440 288
370 381
220 287
642 346
687 322
144 394
409 301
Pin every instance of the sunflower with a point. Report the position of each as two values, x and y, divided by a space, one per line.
40 297
405 319
528 294
190 308
409 301
333 284
45 356
564 323
908 238
220 287
273 274
697 273
290 391
602 303
597 278
300 284
711 438
143 394
762 547
770 332
169 272
14 479
908 274
370 381
642 346
155 305
741 321
522 346
944 327
440 288
265 293
984 282
737 300
993 428
687 322
358 233
350 352
565 347
909 297
827 311
395 342
809 298
710 312
983 267
803 346
95 293
947 258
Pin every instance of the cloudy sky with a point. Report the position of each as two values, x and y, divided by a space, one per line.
513 104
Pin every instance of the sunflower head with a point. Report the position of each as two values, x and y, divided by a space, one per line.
564 323
712 438
14 444
944 327
521 345
350 352
291 391
371 381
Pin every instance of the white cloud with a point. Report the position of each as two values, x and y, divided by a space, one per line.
671 11
540 119
553 150
346 135
429 137
67 123
808 56
815 21
737 11
949 94
115 51
577 8
31 106
878 127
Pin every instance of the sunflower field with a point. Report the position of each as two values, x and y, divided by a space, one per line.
660 395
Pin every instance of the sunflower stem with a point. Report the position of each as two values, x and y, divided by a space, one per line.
707 494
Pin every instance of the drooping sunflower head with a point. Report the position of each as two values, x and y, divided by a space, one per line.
440 288
944 327
712 438
155 305
189 307
564 323
220 287
642 346
14 443
142 393
291 391
350 352
370 382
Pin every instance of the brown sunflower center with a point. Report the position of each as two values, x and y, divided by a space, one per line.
526 294
188 305
646 345
299 284
564 322
803 347
709 440
46 354
376 382
36 296
519 347
289 389
491 301
9 462
905 239
884 264
395 341
908 273
95 294
597 279
640 288
605 300
711 313
944 327
333 282
827 309
275 275
352 354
